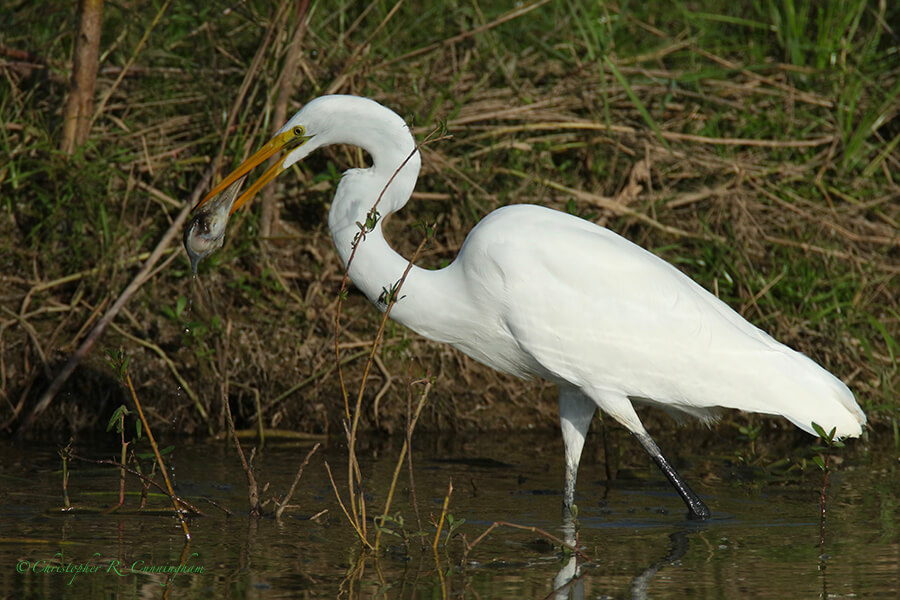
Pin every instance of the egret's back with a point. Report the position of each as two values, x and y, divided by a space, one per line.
596 311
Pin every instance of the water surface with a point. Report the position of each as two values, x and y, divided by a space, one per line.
762 542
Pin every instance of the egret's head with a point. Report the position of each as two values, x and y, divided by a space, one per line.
328 120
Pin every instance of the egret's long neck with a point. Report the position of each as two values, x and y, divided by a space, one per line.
374 266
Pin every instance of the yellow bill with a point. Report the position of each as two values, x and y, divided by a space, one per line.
289 138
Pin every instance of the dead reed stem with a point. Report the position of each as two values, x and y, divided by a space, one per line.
252 486
405 452
353 521
440 523
80 104
287 497
410 425
352 436
372 221
269 213
159 459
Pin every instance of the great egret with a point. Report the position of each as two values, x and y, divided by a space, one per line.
540 293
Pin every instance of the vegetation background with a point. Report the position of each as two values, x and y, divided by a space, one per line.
754 145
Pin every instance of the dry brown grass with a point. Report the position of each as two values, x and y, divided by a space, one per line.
773 224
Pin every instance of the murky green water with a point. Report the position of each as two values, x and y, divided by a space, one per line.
763 541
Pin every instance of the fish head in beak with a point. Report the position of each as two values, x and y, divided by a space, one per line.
205 232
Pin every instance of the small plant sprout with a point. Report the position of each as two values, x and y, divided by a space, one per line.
175 313
750 433
389 295
828 439
66 454
118 360
117 421
427 228
828 442
364 228
452 525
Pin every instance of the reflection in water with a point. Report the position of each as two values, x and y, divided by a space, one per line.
677 551
568 584
569 581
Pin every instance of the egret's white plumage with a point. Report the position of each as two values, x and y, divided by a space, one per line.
538 292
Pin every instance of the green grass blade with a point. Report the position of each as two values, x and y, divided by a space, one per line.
645 114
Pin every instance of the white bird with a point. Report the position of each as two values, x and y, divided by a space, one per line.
540 293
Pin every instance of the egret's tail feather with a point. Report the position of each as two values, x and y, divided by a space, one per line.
836 409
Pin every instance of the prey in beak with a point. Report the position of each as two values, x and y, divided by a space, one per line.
205 232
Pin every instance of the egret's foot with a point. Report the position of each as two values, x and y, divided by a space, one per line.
697 510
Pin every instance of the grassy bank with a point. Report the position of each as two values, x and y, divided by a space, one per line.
755 149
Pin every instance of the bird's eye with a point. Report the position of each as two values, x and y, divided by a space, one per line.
299 131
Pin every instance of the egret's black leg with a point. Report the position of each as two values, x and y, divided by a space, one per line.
696 507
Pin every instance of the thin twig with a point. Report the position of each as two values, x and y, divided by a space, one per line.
346 278
287 497
384 388
269 214
252 487
404 453
358 409
353 467
148 480
352 521
410 425
440 525
537 530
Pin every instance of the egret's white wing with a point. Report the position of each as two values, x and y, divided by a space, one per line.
593 309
